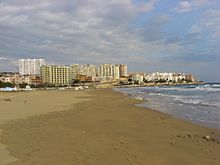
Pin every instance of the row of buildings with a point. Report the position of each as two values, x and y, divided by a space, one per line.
37 72
163 77
64 75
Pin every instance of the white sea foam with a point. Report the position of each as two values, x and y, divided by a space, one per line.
195 102
191 101
208 121
216 85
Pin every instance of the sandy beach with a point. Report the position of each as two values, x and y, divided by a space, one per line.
20 105
97 127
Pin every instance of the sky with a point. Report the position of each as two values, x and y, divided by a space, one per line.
147 35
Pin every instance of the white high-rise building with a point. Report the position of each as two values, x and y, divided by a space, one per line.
30 66
116 71
107 70
113 70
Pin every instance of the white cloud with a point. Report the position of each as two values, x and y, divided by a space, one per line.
212 21
148 6
95 31
74 28
188 5
184 6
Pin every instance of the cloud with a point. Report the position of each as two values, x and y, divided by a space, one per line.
212 21
76 30
144 7
195 29
7 64
140 33
153 29
188 5
184 6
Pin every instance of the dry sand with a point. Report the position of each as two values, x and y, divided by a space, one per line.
107 129
20 105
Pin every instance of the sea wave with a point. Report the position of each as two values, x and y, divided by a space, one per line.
199 102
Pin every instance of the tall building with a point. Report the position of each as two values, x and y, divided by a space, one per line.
30 66
123 70
74 70
113 70
116 71
56 74
87 70
107 70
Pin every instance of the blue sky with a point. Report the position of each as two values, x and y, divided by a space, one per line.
148 35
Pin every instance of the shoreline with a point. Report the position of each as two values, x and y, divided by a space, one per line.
196 108
109 128
196 122
158 84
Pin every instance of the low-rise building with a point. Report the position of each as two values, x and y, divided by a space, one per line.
168 77
138 78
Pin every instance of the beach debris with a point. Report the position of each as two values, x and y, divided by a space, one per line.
215 141
78 88
188 136
163 118
122 142
208 138
184 136
172 143
7 99
83 132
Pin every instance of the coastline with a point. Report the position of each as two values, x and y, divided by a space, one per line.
107 128
157 84
198 103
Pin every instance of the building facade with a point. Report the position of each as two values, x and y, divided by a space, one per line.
107 70
169 77
123 70
30 66
116 71
113 70
56 74
87 70
138 78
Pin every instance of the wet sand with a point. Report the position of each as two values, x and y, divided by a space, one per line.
106 129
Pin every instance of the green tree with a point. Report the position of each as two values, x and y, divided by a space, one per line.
6 84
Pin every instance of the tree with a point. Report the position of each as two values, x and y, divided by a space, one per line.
6 84
23 85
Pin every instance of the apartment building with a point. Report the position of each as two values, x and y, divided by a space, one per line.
56 74
123 70
116 71
107 70
30 66
87 70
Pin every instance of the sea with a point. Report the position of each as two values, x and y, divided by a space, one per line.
199 104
